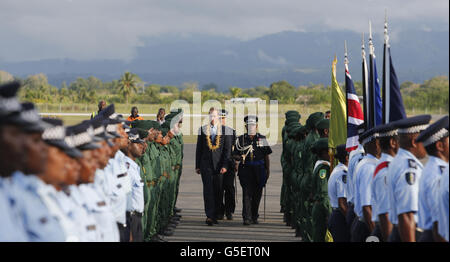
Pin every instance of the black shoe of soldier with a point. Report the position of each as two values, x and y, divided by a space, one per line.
209 221
247 222
215 221
229 217
220 217
177 210
168 232
255 221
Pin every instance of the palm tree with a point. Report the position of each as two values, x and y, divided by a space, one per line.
235 91
127 85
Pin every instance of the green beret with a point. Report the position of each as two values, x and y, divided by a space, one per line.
293 128
320 144
164 130
313 119
323 124
143 124
142 133
292 113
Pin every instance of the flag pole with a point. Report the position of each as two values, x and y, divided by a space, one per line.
371 95
365 84
386 73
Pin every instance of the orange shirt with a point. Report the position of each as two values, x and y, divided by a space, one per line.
131 118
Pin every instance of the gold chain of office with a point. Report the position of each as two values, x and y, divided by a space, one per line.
208 137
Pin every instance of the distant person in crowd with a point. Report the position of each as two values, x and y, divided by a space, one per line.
134 115
328 114
101 106
160 116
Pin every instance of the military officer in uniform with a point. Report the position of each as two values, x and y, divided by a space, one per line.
337 192
435 140
403 178
319 190
254 168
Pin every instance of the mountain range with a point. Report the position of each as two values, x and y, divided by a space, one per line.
297 57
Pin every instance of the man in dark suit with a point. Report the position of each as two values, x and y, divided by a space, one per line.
212 160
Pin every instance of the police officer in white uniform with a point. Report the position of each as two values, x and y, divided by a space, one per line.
354 158
389 144
442 215
135 199
435 140
363 226
403 178
337 192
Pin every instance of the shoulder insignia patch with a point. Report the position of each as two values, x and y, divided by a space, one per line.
410 178
344 179
322 173
442 168
43 220
128 165
412 163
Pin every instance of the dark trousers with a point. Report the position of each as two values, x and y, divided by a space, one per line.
134 227
338 227
350 217
360 231
377 232
122 233
251 192
212 192
228 206
426 236
395 235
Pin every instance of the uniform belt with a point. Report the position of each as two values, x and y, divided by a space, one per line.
121 175
135 213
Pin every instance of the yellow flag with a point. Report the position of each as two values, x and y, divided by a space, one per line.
338 120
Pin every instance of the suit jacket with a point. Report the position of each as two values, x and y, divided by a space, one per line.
220 158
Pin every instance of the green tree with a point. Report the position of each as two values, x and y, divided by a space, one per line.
127 85
235 91
282 91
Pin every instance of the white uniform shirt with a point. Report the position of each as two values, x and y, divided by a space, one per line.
337 185
428 185
404 174
354 158
11 228
119 185
135 199
443 224
99 208
86 222
363 178
380 199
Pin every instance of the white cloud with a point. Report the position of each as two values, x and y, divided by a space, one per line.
111 29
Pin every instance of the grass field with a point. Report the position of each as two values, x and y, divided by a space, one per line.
274 123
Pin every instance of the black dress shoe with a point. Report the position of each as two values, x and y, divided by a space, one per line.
255 221
168 232
219 217
177 210
209 221
246 222
229 217
215 221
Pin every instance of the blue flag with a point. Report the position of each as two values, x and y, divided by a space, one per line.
377 104
396 108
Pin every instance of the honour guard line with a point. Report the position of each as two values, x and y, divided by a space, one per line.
378 189
104 179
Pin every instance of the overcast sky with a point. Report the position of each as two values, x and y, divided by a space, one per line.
111 29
